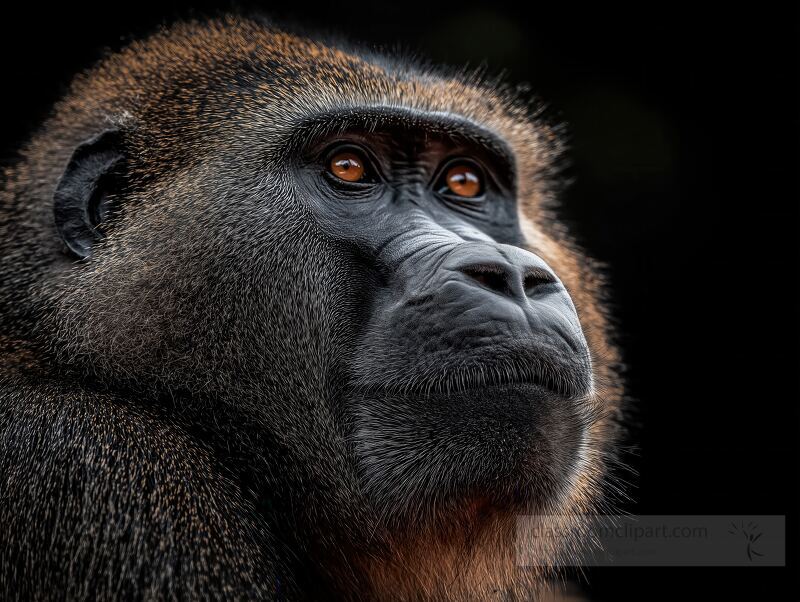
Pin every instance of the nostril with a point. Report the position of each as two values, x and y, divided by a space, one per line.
510 280
494 278
536 278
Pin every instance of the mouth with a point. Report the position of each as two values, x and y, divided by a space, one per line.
543 369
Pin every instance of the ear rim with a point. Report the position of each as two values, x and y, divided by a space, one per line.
90 164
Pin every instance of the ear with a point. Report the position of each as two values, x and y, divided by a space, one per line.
81 200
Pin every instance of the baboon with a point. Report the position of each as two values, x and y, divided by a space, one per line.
291 320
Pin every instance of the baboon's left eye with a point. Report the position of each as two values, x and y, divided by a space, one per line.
462 179
348 166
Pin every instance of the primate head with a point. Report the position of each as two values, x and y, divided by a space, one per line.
343 273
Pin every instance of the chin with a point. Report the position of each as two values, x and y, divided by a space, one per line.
438 458
449 474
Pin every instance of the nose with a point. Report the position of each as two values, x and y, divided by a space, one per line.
510 272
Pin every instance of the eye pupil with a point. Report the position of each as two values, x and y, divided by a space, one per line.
347 166
464 181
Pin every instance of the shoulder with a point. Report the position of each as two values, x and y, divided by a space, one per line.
105 488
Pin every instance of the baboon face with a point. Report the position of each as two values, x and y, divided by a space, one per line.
468 375
354 253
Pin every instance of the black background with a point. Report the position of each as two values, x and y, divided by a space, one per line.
684 147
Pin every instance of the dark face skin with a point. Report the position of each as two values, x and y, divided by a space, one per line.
466 336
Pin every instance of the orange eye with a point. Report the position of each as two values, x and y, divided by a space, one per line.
464 180
347 166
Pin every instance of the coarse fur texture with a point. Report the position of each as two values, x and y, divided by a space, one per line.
189 411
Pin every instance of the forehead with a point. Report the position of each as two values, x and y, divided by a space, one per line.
394 121
200 82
